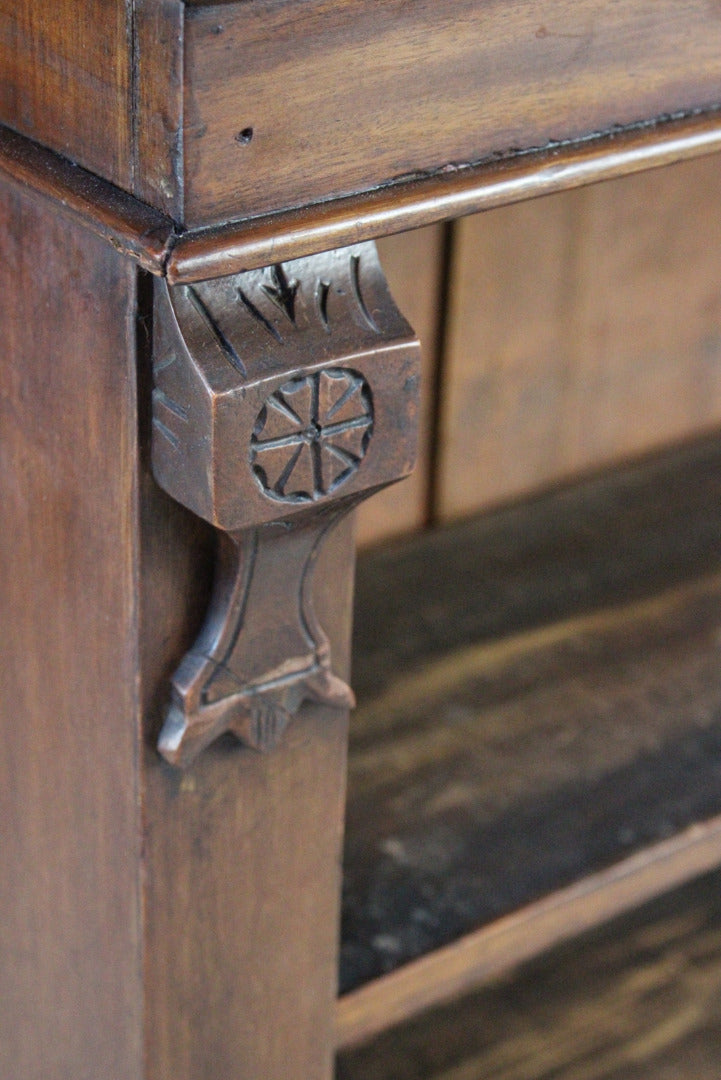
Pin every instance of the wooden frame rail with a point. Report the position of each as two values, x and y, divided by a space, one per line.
186 256
504 945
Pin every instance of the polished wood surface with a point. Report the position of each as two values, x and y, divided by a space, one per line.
70 824
427 86
163 245
129 226
157 83
128 911
165 925
171 87
245 244
241 866
67 80
281 398
243 873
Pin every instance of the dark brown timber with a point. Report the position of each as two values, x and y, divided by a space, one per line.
244 245
168 924
71 933
288 103
637 999
507 749
280 398
67 80
131 227
197 255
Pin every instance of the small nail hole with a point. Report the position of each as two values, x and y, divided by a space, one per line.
244 136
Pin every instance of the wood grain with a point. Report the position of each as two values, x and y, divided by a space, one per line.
152 925
70 933
620 536
508 770
636 1000
243 245
153 67
157 114
414 266
273 449
67 80
242 853
163 247
489 767
243 857
503 946
423 84
129 226
582 329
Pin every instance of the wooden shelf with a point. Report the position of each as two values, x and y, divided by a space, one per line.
553 739
638 999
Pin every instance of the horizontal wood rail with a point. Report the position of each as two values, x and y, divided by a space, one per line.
498 948
327 98
446 194
163 247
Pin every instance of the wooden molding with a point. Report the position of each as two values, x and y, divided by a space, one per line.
282 397
442 195
129 226
187 256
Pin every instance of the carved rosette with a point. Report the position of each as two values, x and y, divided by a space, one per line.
281 398
312 435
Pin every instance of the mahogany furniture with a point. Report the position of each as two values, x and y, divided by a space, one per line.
200 353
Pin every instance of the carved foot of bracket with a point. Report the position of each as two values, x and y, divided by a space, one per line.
261 652
282 397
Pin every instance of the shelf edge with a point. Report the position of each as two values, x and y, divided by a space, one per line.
505 944
164 247
255 242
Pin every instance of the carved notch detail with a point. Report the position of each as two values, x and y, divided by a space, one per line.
282 397
312 434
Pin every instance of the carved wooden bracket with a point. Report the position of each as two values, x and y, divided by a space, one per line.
282 397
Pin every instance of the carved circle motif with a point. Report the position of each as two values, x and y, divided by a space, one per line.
311 435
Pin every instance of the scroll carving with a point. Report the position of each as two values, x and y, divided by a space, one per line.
282 397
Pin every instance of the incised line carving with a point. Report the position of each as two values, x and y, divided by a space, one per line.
282 397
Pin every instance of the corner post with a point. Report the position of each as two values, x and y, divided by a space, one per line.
282 397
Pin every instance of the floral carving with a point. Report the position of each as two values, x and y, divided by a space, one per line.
312 434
